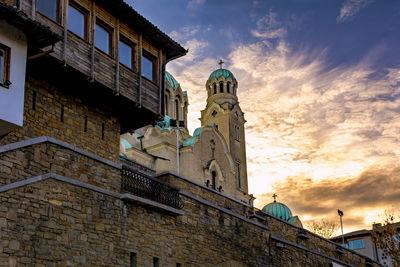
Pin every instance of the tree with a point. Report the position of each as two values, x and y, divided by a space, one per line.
323 228
387 237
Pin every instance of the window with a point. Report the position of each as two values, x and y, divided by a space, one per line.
177 109
221 87
156 262
166 104
4 66
49 8
149 66
238 174
213 177
228 87
396 237
237 133
133 259
215 88
103 37
127 53
355 244
78 20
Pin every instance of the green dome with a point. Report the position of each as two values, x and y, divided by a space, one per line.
171 80
221 72
278 210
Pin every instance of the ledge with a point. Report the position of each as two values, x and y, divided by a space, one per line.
203 187
241 217
132 198
308 250
124 197
46 139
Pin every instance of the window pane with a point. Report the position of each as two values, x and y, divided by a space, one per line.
1 66
147 68
76 21
102 39
48 8
356 244
125 54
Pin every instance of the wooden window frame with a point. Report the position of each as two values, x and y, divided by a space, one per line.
110 31
132 44
58 15
86 13
6 72
153 59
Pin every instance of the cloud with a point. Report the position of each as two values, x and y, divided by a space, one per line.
374 190
350 8
312 131
185 33
187 37
268 27
193 4
315 131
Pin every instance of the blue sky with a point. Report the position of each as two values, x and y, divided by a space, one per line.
311 24
319 84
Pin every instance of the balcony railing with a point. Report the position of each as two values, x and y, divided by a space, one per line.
145 186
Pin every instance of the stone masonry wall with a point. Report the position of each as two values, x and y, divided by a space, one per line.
42 117
278 228
55 223
39 159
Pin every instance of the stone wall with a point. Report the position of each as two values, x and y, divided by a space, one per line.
42 117
53 223
39 159
301 247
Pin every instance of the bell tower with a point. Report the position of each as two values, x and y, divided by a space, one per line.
223 110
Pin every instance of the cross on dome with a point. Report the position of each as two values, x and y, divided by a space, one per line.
220 63
274 196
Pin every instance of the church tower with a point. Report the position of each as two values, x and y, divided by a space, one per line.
224 112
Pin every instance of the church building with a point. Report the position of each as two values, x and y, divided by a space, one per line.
215 155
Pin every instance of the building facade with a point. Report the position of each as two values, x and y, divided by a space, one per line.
215 155
363 242
94 70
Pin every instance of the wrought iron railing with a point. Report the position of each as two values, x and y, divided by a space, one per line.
145 186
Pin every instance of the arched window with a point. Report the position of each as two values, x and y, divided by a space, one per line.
177 110
228 87
221 87
215 88
166 104
213 177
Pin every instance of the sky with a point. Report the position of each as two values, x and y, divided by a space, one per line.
319 83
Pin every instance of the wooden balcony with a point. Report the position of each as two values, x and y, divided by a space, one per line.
81 69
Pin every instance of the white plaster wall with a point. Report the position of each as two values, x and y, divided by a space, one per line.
12 99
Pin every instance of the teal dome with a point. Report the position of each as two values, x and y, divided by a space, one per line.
278 210
221 72
171 80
